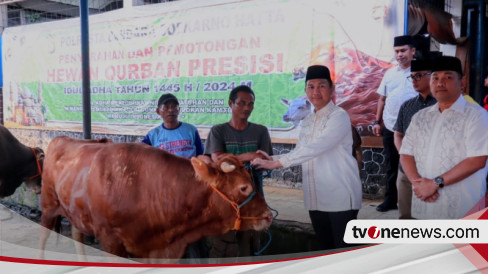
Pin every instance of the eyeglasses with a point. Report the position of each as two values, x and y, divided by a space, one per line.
417 76
170 107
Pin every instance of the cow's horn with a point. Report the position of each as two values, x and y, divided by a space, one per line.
226 167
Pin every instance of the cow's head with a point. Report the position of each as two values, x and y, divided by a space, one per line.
229 177
29 173
298 109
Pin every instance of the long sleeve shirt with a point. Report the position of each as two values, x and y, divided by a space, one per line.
330 173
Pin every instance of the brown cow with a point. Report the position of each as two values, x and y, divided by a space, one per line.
18 163
143 202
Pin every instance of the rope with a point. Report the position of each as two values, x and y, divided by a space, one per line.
265 174
237 207
39 169
237 223
257 253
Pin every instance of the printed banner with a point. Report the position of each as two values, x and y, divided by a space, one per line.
199 54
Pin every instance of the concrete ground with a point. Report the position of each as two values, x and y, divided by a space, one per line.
290 207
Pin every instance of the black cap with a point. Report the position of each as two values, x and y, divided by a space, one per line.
403 40
447 63
434 54
166 98
318 72
420 65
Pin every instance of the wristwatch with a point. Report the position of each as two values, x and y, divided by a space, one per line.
439 181
377 122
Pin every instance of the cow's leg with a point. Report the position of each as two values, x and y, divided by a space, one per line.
78 239
43 235
112 245
168 255
48 222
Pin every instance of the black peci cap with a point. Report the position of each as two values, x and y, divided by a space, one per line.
318 72
447 63
420 65
403 40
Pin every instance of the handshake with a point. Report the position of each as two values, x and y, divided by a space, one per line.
264 161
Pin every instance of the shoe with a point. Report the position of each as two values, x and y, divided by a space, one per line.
384 207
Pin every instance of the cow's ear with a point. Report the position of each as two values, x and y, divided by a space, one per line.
202 170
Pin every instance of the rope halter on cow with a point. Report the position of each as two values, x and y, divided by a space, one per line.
226 167
39 169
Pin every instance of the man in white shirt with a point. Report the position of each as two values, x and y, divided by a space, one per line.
394 90
331 184
445 149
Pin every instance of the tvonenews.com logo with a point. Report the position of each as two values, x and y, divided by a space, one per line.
373 232
387 232
417 231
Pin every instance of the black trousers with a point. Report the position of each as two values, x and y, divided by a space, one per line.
391 159
330 227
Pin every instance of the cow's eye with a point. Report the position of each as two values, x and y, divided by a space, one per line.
243 188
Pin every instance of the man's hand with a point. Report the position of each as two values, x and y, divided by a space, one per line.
205 158
259 163
425 189
377 130
263 155
432 198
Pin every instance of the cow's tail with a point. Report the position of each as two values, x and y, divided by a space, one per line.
57 225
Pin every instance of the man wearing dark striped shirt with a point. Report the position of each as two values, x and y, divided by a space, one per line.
242 138
420 78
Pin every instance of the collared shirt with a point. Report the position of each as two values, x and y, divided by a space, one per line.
438 141
330 173
409 108
397 90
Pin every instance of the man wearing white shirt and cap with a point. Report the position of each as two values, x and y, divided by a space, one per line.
445 149
331 184
394 90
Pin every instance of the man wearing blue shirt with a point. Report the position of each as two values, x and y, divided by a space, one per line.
176 137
